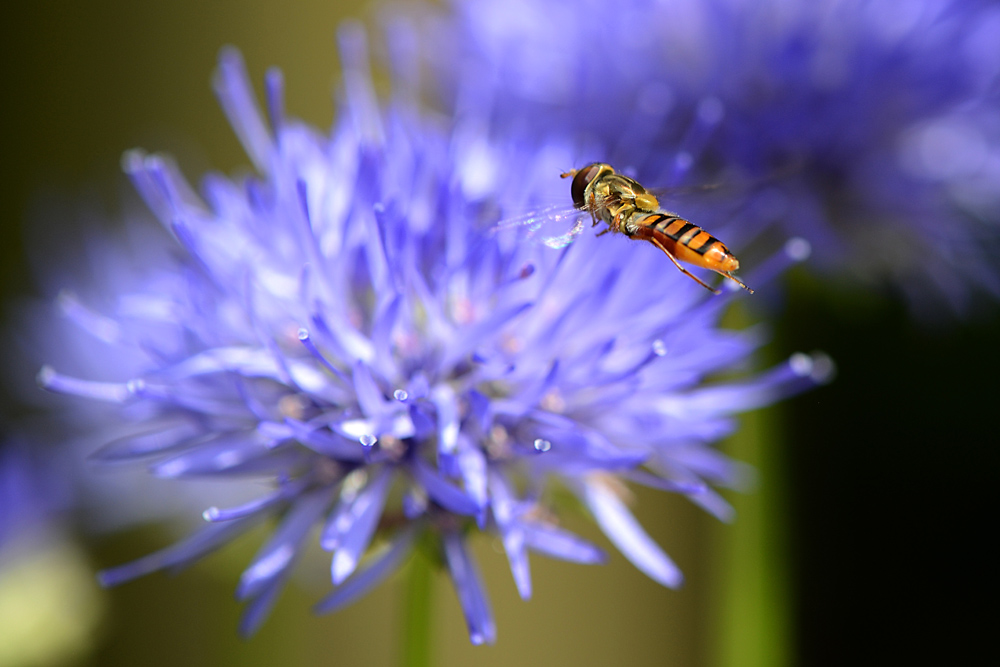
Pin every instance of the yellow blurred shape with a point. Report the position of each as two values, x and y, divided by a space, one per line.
50 605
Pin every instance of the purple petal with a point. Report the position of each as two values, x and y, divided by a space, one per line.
561 544
226 452
203 542
504 507
274 94
706 462
99 326
626 534
423 423
472 467
369 395
207 402
285 491
352 342
135 164
656 482
441 492
480 409
474 335
324 442
364 514
163 438
308 343
370 576
414 503
361 101
715 505
280 552
527 399
382 328
471 594
258 609
797 374
111 392
444 399
501 499
235 93
517 555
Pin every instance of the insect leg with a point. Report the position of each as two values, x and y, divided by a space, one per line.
593 208
620 216
681 268
735 280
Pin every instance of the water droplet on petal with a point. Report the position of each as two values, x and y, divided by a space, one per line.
368 440
659 347
211 514
400 395
542 445
303 334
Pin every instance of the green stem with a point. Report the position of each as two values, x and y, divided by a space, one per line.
754 616
416 645
755 622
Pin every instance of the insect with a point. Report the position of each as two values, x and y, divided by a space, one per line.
630 209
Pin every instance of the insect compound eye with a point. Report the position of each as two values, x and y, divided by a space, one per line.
582 179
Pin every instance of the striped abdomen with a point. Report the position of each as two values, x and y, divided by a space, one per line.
686 241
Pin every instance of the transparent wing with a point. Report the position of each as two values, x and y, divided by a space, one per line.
552 226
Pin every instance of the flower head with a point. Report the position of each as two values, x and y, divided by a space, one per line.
346 325
870 127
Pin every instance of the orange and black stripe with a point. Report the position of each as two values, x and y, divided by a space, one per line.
685 233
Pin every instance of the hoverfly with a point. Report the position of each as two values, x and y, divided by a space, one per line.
628 208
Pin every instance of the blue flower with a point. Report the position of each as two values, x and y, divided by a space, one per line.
870 127
347 324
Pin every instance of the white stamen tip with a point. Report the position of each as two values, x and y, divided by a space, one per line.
801 364
45 376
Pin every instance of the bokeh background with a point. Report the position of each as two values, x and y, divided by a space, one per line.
865 541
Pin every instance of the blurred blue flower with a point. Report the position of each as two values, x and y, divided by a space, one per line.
868 128
347 325
31 494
